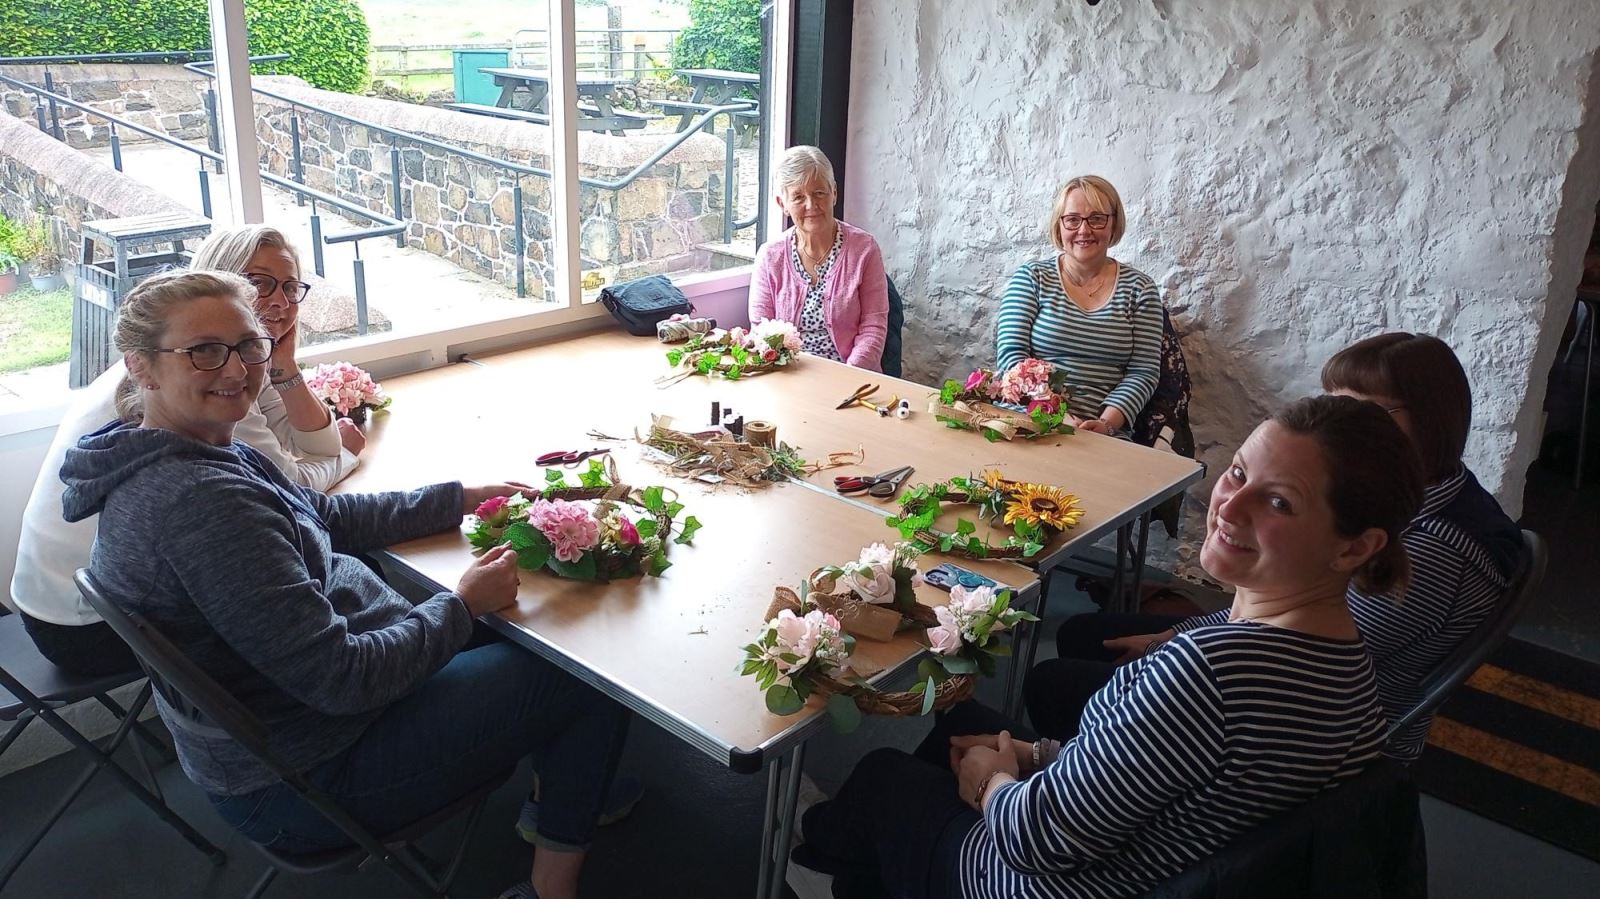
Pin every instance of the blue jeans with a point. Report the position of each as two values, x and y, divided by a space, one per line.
479 715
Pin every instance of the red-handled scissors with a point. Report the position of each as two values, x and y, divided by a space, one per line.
567 459
879 485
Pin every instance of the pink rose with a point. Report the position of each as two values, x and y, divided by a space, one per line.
1051 405
737 335
976 379
874 586
769 355
493 511
944 640
626 532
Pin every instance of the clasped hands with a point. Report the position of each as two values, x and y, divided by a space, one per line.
981 759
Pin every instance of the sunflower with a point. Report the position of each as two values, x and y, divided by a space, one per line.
995 480
1038 504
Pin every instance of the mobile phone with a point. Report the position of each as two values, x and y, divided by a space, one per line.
947 575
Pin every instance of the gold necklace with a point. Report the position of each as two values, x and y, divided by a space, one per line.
1092 286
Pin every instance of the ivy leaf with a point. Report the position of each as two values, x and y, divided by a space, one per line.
977 548
554 478
949 392
652 499
595 476
733 373
690 525
673 509
646 528
965 527
706 364
945 542
658 565
1030 549
674 358
783 700
844 712
991 435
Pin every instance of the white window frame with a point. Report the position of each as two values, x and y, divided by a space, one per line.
388 355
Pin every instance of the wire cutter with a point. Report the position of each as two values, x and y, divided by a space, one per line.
882 485
862 392
568 459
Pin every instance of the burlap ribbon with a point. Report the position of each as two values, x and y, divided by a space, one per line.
978 416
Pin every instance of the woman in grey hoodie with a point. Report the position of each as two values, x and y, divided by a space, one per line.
379 700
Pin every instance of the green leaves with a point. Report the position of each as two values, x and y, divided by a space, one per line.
674 358
783 700
652 499
646 528
949 392
594 475
585 569
657 564
554 478
690 525
842 709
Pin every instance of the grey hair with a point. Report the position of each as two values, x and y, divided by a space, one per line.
230 249
801 163
142 318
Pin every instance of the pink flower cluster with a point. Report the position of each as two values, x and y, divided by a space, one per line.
871 577
345 387
1028 380
958 618
570 528
815 636
775 334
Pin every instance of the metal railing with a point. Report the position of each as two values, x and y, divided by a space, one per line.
519 242
47 99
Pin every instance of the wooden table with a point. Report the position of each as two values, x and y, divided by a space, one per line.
597 114
666 648
711 88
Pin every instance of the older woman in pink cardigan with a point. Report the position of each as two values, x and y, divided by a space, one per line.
823 275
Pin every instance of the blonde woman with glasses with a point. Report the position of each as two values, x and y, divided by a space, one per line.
287 425
1086 312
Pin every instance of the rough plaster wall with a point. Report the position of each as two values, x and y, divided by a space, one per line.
1297 174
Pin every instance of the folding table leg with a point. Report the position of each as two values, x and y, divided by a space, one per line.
768 815
1118 581
101 760
777 830
1024 648
1139 548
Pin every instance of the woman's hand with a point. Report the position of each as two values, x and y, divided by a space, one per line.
472 497
491 583
282 367
350 436
1135 646
981 764
1095 425
960 745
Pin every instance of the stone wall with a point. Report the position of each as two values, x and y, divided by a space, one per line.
1298 173
164 98
463 209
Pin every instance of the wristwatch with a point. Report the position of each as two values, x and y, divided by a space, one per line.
295 381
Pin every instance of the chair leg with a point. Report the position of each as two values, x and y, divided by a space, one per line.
102 759
460 855
17 727
139 730
265 881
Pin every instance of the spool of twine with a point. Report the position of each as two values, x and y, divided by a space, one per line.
761 433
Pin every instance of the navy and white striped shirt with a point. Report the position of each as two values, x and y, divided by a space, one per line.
1462 549
1217 730
1112 355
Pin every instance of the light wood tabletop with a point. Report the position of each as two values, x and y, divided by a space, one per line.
667 647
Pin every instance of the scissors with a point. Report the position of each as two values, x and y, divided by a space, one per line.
881 486
862 392
567 459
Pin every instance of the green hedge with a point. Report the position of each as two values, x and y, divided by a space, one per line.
328 38
722 34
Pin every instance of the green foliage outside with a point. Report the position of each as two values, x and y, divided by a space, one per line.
722 34
35 329
328 39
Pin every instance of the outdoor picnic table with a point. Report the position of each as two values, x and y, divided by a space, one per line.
594 99
711 88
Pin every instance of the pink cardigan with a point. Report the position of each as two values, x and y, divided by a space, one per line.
856 298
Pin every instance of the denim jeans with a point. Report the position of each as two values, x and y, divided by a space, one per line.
91 650
479 715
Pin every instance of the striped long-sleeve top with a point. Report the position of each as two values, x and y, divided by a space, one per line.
1463 549
1112 355
1183 750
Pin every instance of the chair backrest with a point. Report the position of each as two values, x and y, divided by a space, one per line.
891 341
1169 405
1486 637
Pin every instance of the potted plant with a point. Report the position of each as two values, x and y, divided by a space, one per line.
32 245
9 266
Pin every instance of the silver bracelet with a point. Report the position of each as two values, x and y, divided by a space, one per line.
290 384
1036 763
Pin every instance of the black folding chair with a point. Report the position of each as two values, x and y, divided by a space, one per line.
31 688
204 707
1486 637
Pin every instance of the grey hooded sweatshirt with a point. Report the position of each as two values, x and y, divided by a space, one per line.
245 571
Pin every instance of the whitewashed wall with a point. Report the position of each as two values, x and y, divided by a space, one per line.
1298 173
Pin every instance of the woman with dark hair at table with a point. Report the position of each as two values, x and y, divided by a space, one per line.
1463 550
1095 317
823 275
380 702
1215 731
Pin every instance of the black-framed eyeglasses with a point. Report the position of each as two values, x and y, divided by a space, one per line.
293 291
1099 221
1393 409
212 356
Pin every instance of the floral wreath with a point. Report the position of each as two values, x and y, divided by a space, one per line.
1033 511
736 353
560 530
803 649
1033 383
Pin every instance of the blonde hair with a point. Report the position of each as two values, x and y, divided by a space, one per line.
142 318
803 162
1102 197
230 250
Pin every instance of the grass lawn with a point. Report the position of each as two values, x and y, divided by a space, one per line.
35 328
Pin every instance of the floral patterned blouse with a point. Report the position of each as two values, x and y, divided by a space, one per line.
813 323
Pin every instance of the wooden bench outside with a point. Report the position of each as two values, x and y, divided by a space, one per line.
590 119
686 110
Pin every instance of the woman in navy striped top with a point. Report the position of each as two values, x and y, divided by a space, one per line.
1186 748
1463 550
1086 312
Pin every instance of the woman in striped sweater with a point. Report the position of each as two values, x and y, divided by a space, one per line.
1188 747
1462 546
1086 312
